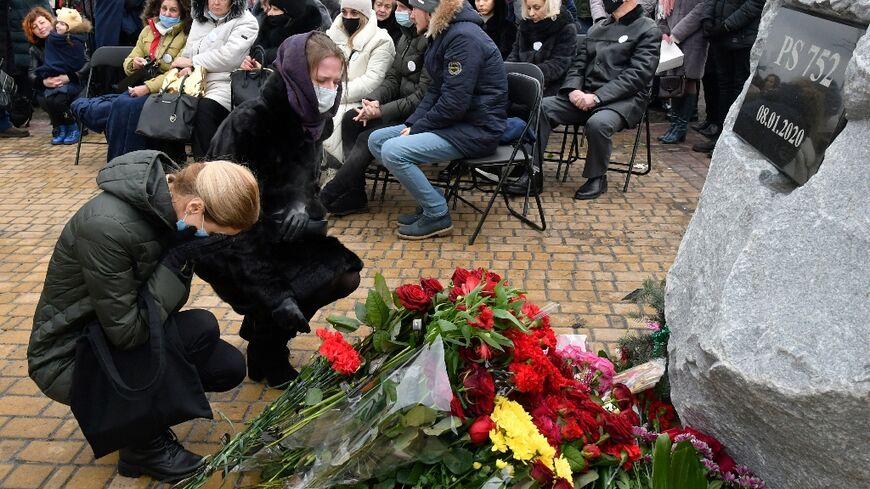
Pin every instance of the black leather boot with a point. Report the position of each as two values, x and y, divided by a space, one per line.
161 458
269 361
521 184
592 188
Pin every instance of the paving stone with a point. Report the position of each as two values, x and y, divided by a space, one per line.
28 476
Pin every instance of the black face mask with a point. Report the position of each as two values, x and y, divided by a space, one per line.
350 25
276 20
611 5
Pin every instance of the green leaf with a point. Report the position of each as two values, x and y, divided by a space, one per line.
420 416
446 326
360 310
661 462
485 336
715 485
686 469
381 341
458 460
574 457
386 484
343 323
466 331
410 475
376 310
433 451
445 424
503 314
313 396
585 479
383 290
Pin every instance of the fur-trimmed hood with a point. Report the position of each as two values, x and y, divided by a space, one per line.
237 8
449 11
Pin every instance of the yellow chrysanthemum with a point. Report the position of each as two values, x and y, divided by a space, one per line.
500 463
516 433
563 469
476 465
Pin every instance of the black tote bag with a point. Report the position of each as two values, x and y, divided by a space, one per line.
246 84
168 116
113 414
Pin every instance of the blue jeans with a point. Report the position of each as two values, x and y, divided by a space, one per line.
402 155
4 120
121 126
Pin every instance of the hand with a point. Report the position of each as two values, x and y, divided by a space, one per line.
185 72
405 131
718 29
50 82
139 91
373 109
575 96
181 62
139 63
288 316
667 38
587 101
249 64
293 224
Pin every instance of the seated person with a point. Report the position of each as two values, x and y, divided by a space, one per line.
386 20
57 58
223 32
462 114
164 36
496 24
391 103
605 89
547 38
369 51
281 20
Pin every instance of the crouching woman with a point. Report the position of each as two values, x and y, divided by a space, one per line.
143 232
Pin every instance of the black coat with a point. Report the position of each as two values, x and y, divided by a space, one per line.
617 62
406 81
466 103
273 31
20 46
499 28
737 21
556 43
257 271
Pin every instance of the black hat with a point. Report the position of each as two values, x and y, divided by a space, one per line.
427 5
293 8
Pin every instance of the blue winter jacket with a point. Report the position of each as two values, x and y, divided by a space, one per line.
466 102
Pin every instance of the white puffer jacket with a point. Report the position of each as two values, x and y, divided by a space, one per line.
369 59
220 47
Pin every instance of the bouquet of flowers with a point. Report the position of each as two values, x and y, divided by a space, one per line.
457 386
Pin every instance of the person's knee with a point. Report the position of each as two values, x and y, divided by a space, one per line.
200 326
393 153
347 283
231 371
599 125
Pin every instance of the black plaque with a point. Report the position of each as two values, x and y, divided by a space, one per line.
794 106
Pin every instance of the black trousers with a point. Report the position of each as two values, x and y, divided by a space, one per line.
209 115
599 128
711 90
732 70
220 365
357 157
58 107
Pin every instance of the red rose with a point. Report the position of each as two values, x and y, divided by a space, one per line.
619 427
622 396
479 430
541 473
563 484
633 454
431 286
591 452
479 390
456 408
460 275
414 298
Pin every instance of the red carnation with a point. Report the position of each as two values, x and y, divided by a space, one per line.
414 298
479 390
344 359
662 413
527 378
591 452
456 408
479 429
431 286
619 427
484 319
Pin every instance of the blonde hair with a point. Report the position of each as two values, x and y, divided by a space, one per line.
229 191
554 7
363 20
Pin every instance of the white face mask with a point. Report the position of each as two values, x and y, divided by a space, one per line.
325 98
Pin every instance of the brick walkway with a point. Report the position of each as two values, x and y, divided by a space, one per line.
590 256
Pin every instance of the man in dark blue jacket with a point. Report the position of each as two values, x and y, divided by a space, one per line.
462 114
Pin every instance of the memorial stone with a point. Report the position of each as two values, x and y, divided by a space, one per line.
768 301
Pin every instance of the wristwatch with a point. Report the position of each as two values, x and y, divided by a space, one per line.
596 99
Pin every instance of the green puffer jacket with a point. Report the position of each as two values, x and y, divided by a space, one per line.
106 253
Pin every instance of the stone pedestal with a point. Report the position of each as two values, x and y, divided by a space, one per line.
768 300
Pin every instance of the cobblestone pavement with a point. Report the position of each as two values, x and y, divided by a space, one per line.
590 256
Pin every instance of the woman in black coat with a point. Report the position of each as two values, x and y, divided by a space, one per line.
547 38
496 24
283 19
280 273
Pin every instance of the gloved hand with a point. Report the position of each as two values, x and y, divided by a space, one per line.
718 29
288 316
293 224
179 256
707 27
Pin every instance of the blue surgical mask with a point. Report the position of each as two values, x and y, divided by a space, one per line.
404 19
325 98
169 21
181 225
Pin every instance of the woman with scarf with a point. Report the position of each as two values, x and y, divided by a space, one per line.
547 38
223 32
496 24
167 23
386 19
283 18
680 23
369 51
281 272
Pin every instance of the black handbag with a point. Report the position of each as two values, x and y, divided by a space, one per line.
672 86
7 87
111 413
168 116
246 84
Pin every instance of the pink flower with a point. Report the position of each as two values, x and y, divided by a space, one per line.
653 325
592 368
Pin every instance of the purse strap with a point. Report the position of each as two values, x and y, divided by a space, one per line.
101 348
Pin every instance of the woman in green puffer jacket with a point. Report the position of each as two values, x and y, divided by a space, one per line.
140 231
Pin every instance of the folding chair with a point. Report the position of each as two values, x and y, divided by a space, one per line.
628 168
106 56
565 131
526 91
